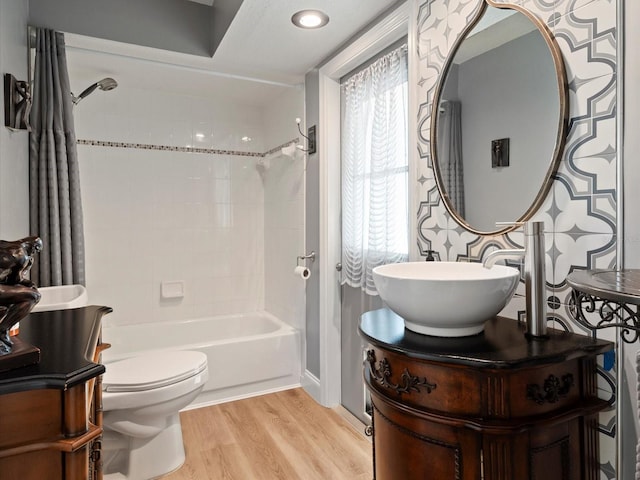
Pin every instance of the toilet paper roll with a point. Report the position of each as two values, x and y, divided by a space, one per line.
302 272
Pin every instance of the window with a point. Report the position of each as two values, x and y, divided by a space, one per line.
375 221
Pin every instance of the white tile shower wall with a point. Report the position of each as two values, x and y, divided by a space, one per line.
284 239
154 215
284 212
137 115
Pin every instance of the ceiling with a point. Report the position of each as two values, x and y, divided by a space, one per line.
262 51
262 41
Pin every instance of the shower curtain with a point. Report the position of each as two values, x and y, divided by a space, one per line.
55 207
450 152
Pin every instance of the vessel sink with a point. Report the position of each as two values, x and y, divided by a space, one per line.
61 297
445 299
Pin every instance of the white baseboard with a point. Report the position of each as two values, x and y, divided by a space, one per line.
311 385
240 392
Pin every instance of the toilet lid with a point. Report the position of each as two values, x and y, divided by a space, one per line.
152 370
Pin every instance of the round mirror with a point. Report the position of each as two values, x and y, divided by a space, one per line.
499 120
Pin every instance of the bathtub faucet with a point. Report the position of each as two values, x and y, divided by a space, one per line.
534 274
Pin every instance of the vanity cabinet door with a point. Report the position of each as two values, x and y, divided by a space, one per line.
410 448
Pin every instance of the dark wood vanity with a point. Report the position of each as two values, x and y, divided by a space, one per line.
494 406
51 412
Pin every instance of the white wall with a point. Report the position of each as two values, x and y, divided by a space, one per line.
284 211
14 156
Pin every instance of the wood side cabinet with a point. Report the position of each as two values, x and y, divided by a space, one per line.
51 413
495 406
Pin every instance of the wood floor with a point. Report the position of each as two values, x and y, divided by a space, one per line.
284 435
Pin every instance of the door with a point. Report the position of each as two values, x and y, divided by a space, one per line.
354 302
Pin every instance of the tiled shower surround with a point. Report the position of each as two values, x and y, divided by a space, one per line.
579 212
172 193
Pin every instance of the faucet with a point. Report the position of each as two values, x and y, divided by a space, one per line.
534 274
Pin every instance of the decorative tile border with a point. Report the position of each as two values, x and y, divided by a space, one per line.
169 148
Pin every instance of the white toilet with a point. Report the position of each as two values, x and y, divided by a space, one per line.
141 400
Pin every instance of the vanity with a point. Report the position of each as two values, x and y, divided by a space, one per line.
492 406
51 412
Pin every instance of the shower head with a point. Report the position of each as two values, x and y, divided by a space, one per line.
105 84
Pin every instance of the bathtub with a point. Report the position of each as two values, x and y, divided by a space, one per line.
248 354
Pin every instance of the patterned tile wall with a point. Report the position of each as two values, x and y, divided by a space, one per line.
579 212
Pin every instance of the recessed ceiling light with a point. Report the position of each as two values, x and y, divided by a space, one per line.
310 19
246 139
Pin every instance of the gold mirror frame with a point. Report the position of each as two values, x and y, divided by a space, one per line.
562 120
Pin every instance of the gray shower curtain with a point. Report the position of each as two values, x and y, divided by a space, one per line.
450 152
55 207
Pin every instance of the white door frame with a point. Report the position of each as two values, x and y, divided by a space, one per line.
388 30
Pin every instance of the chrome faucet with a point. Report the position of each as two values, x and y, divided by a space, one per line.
534 274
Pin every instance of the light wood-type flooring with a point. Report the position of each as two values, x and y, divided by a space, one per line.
284 435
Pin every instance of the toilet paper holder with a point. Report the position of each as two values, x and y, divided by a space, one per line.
311 256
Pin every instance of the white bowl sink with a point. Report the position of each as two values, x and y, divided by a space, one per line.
445 299
61 298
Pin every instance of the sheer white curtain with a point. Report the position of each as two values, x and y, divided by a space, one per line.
375 223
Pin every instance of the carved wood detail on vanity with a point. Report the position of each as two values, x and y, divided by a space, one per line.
497 454
497 404
408 382
503 408
552 390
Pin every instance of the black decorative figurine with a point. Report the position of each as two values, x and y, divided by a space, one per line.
18 295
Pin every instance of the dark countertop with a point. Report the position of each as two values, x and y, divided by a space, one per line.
502 344
67 341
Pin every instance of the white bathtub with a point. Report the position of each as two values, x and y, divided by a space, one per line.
248 354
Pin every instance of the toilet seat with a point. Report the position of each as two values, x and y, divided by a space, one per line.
152 371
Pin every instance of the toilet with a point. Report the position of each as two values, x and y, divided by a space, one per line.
141 398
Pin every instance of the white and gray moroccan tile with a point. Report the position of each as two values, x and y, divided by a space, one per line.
567 6
424 131
581 206
603 167
516 309
591 137
587 38
595 97
544 10
580 250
